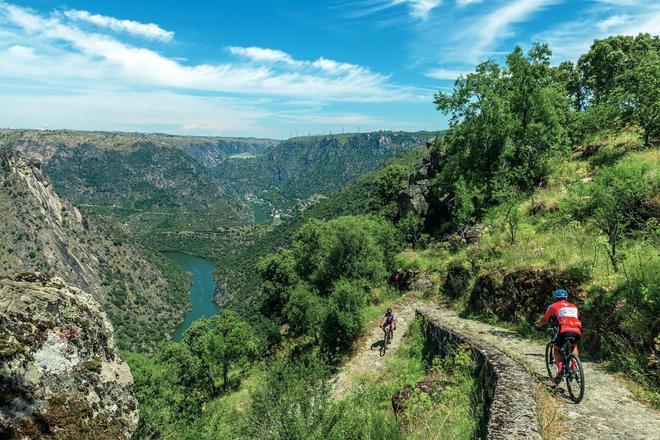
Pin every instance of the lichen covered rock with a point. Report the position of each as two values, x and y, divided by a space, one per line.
61 375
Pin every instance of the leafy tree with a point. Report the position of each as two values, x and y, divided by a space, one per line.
305 312
389 182
347 247
278 273
620 80
603 67
218 344
611 203
506 123
343 322
639 96
411 226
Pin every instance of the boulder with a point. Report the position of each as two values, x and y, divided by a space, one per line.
61 375
413 198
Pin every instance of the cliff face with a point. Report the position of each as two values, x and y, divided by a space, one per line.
41 232
61 375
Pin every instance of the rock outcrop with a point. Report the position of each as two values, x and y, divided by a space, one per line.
521 293
61 375
43 232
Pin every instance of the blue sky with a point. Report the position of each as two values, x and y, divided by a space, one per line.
271 68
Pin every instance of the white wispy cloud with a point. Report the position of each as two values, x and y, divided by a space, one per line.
422 8
612 17
267 71
496 25
442 73
417 9
146 30
260 54
461 3
18 51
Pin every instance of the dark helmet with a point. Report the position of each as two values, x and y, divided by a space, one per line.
560 294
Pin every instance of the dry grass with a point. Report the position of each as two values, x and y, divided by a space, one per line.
550 417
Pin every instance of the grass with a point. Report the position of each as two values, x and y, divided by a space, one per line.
546 240
449 414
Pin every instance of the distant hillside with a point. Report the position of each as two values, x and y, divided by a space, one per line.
239 283
145 181
287 176
41 232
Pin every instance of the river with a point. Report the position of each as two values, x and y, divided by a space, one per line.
201 291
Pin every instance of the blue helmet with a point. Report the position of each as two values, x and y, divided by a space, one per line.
560 294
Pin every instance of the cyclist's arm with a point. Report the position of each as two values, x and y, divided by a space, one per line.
546 317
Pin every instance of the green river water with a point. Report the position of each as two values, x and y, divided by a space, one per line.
201 291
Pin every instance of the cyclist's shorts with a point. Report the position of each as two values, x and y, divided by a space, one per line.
563 336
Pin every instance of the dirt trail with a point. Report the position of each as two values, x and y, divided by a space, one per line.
608 410
368 357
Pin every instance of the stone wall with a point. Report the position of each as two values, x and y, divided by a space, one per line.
509 390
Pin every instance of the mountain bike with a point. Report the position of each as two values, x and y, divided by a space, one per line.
572 367
388 334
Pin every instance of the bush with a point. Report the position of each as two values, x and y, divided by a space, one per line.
343 322
347 247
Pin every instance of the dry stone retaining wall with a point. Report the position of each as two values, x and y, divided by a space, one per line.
510 406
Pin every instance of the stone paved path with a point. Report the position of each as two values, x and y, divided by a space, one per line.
368 357
608 410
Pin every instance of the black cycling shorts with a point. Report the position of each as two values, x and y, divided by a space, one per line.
561 339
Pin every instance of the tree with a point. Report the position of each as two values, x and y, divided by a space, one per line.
343 322
347 247
219 343
611 203
639 95
389 182
278 273
411 226
305 312
506 123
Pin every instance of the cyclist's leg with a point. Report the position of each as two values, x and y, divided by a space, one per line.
557 352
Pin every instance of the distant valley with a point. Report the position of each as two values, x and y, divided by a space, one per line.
128 196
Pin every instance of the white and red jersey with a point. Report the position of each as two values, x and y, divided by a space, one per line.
567 316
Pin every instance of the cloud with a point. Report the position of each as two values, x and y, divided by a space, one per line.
19 51
461 3
417 9
422 8
267 71
260 54
496 25
149 30
613 21
445 74
573 38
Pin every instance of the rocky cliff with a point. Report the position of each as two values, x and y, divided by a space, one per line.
41 232
61 376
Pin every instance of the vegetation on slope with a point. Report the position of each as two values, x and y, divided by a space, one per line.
287 176
142 293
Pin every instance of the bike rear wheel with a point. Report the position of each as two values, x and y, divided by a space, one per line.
575 380
550 363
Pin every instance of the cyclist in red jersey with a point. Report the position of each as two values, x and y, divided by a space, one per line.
567 316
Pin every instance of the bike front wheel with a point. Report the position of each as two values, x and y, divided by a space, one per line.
575 380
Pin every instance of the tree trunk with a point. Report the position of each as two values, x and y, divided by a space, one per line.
611 251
